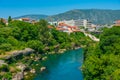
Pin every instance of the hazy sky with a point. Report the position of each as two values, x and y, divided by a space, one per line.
49 7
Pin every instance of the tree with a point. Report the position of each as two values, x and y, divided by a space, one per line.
9 19
102 61
2 22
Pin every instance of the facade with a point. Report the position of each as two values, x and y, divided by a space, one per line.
83 22
55 23
68 22
80 23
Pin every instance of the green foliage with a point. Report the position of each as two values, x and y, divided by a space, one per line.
36 45
2 23
111 42
6 46
102 60
19 35
4 68
9 19
8 76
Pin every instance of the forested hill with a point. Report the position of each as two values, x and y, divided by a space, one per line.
97 16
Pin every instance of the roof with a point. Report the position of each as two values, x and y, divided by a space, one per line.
50 27
60 29
25 19
118 21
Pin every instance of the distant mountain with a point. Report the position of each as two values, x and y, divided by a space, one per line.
33 17
97 16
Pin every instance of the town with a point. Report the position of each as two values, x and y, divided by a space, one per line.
70 26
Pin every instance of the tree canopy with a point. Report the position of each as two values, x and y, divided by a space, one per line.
102 61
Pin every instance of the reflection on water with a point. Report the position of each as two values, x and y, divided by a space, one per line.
63 66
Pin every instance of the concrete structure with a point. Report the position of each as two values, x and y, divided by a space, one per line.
92 37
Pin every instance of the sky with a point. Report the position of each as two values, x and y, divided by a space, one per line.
16 8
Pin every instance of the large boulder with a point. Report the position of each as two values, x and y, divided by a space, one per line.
18 76
2 62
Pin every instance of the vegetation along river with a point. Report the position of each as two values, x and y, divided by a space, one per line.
64 66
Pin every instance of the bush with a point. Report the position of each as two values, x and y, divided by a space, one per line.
4 68
6 47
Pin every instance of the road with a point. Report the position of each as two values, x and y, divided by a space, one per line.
90 36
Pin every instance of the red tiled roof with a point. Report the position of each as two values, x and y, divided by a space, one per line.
63 24
73 27
76 30
60 29
118 21
50 27
25 19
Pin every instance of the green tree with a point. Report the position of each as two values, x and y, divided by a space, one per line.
2 22
9 19
102 60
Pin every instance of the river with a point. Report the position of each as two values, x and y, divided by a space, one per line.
64 66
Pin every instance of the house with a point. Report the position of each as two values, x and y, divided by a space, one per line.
25 19
67 28
4 21
55 23
50 27
117 23
80 23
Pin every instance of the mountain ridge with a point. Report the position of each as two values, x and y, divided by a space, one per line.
33 16
97 16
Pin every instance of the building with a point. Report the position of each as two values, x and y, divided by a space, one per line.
25 19
117 23
80 23
68 22
4 21
55 23
84 23
67 28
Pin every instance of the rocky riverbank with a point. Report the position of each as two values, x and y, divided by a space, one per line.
19 70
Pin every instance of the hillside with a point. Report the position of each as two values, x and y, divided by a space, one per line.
97 16
34 17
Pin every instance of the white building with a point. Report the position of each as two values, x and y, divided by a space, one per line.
55 23
81 22
68 22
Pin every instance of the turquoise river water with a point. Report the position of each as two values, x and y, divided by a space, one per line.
64 66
